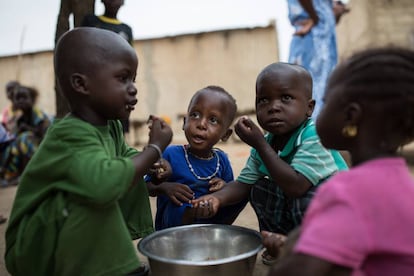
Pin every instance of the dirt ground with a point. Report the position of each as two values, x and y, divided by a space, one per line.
238 153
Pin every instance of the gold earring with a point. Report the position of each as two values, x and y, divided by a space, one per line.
349 131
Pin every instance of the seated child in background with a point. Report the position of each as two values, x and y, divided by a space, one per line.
28 124
7 112
361 222
82 198
287 164
197 168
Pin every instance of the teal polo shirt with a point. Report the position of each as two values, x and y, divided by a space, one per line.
303 151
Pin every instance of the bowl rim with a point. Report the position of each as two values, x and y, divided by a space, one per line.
238 257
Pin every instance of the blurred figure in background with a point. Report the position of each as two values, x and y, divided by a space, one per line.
28 125
313 44
7 112
109 21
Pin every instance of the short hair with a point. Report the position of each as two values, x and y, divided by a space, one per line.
33 93
12 83
276 67
82 50
221 90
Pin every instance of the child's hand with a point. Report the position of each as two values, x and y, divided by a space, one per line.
249 132
206 206
273 242
216 184
177 192
160 171
160 132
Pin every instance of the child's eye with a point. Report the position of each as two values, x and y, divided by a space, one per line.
262 101
123 78
286 98
195 115
214 120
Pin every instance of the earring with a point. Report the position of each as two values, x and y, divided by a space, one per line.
349 131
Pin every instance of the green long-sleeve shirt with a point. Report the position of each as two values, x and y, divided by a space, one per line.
74 211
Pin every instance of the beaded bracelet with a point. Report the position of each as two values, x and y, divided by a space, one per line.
157 148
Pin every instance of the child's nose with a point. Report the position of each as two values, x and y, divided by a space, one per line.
275 106
132 90
202 123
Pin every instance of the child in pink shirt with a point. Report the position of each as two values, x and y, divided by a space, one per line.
361 221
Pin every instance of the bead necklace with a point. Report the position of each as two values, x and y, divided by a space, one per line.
192 169
202 158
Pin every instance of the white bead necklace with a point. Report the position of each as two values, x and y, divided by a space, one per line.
192 169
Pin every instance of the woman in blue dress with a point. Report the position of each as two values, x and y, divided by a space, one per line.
313 44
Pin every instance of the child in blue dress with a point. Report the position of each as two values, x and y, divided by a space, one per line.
197 167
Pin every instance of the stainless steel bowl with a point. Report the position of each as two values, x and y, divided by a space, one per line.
202 249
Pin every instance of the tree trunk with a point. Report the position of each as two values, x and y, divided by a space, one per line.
79 8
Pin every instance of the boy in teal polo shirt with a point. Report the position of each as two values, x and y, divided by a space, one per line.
279 186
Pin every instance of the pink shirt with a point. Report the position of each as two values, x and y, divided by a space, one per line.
5 115
364 219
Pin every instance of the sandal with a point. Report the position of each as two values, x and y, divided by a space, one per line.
267 259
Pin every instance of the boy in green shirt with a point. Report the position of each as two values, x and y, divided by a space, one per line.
82 195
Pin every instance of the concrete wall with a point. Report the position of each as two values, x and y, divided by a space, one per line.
170 71
376 23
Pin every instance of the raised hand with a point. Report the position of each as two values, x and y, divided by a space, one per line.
161 171
160 132
249 132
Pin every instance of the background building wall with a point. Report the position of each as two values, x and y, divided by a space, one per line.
376 23
170 70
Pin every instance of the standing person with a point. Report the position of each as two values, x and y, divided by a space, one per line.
198 168
78 9
360 222
28 125
286 165
313 44
82 196
8 111
109 21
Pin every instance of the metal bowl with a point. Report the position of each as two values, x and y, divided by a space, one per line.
202 249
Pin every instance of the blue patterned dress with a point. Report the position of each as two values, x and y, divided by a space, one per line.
17 153
316 51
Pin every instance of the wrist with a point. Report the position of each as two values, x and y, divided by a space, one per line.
156 148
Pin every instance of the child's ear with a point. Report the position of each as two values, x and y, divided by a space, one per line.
353 113
79 83
184 122
227 135
311 107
